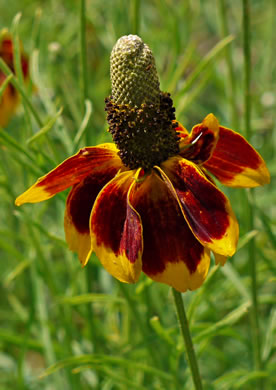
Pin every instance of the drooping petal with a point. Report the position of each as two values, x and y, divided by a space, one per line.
171 255
206 209
78 209
199 146
116 229
86 162
236 163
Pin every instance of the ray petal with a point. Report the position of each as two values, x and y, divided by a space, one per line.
87 161
116 229
78 209
206 209
236 163
199 146
171 255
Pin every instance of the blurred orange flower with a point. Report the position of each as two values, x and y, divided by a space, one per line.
10 97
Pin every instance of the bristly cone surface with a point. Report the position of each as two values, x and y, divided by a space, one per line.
140 117
133 73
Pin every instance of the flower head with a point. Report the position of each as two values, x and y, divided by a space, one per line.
10 97
147 201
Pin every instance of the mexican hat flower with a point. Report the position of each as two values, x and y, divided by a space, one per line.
10 97
147 202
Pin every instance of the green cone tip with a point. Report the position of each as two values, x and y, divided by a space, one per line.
133 73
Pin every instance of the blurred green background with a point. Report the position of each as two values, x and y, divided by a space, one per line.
106 335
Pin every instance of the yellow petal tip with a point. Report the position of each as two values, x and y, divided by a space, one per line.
17 201
85 260
264 175
220 259
211 122
118 265
34 194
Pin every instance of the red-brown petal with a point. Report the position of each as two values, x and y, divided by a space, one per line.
181 130
78 209
88 161
116 229
199 146
236 163
205 208
171 253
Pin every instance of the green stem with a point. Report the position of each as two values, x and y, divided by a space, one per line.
40 300
184 326
23 350
42 314
84 79
252 249
95 330
231 81
135 11
247 67
18 69
141 324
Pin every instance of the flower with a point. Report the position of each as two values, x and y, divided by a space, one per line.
10 97
148 203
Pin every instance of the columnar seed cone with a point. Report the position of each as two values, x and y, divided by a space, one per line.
134 76
141 118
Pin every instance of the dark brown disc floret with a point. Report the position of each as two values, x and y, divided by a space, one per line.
145 135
